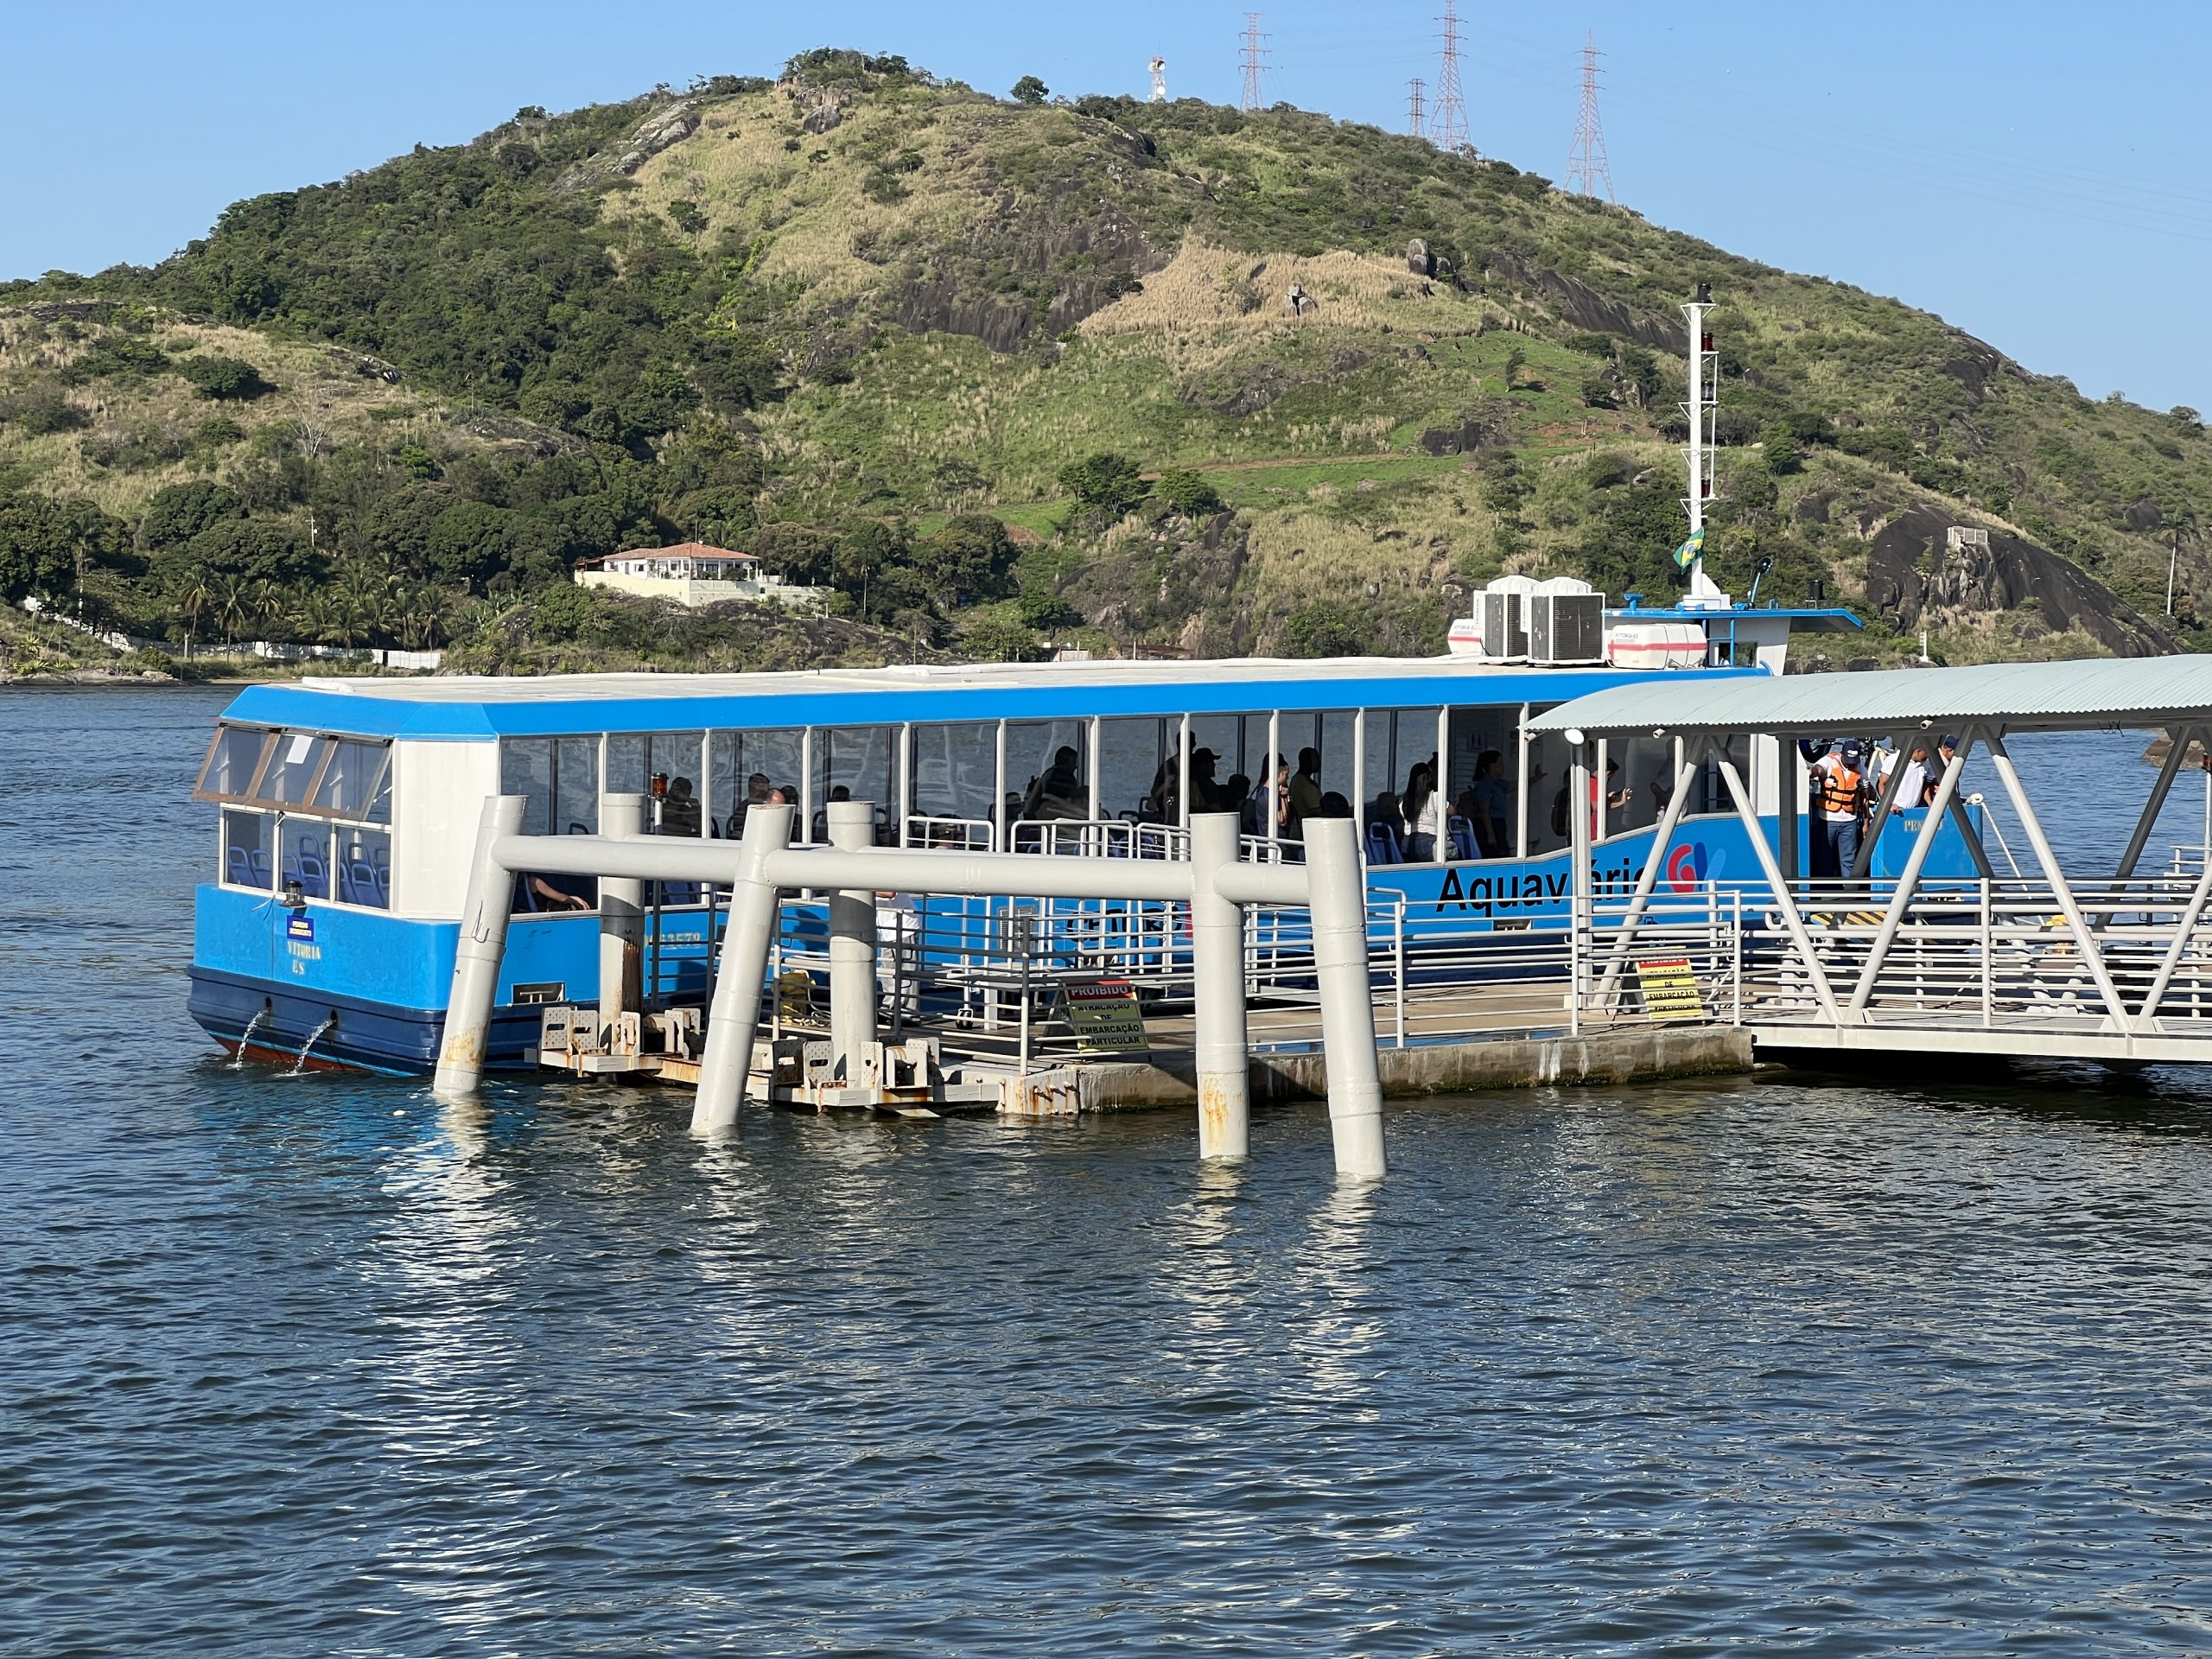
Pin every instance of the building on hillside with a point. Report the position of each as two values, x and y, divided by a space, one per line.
693 573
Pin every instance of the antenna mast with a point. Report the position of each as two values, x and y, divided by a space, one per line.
1586 166
1254 52
1704 365
1159 78
1447 126
1416 121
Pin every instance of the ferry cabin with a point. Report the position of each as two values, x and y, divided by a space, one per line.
348 809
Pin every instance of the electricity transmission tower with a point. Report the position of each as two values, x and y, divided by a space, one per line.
1587 169
1159 78
1254 52
1448 121
1416 119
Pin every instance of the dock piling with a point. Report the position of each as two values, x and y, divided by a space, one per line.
1217 990
621 924
734 1017
483 941
1338 900
852 947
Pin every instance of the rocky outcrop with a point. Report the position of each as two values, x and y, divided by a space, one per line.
1914 577
1575 301
664 128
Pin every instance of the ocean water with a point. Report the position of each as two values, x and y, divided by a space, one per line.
315 1365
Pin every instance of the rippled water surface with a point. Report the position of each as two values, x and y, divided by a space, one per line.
312 1365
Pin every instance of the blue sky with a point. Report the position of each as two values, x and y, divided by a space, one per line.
2031 171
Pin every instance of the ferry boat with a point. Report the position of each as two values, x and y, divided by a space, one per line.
348 808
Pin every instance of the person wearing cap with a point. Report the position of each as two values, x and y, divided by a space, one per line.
1839 804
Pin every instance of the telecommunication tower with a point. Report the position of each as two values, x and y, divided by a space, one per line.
1704 365
1254 54
1587 169
1447 121
1416 118
1159 78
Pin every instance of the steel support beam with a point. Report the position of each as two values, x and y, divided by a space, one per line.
1863 860
1688 758
1946 789
2084 940
1791 921
2178 740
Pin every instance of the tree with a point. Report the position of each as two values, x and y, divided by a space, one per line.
1598 392
180 512
969 559
1188 493
1780 448
687 217
1515 360
1030 90
1320 628
1106 484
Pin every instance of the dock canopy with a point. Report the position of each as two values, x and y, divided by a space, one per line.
2134 692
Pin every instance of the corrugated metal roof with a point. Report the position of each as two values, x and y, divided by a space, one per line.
2118 691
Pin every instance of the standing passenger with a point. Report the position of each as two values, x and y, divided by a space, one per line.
1422 813
1491 797
1842 803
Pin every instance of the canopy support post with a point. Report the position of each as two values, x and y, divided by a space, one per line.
2032 826
1782 896
1687 760
1908 883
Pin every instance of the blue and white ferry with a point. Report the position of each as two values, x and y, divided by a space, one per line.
348 808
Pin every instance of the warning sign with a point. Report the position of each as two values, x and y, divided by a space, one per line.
1669 989
1103 1015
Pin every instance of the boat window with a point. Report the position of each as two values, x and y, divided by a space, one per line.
357 782
1549 760
956 786
246 835
745 766
1328 735
362 868
304 857
1215 741
1648 774
1044 785
1399 740
856 759
1130 754
293 768
558 781
659 765
233 759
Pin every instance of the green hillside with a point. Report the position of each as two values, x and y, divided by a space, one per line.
1004 374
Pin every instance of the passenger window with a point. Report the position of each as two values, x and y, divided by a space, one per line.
245 849
304 857
956 778
364 867
356 783
294 767
233 759
853 763
747 765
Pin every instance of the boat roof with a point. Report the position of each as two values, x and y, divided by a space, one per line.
2089 694
466 707
1832 619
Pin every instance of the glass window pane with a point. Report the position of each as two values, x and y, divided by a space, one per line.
1130 754
746 766
575 781
855 761
1048 767
304 856
364 864
357 784
233 759
292 767
245 849
526 769
956 781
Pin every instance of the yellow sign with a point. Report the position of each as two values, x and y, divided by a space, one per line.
1104 1017
1669 989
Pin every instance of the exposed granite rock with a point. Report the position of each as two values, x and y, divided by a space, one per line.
658 132
1578 303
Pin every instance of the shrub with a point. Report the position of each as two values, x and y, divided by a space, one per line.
1030 90
1783 457
1321 629
1188 493
41 408
1106 483
225 378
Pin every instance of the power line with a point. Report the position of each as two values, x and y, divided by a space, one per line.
1587 168
1447 125
1416 123
1253 54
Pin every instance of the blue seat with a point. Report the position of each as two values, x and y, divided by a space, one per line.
314 875
236 870
258 861
1461 834
1382 845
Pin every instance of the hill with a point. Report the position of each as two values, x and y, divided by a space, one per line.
1010 373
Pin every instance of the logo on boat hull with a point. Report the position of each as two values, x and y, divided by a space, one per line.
1690 866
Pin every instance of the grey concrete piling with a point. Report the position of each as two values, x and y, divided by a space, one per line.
621 923
1337 903
476 961
1218 992
852 945
734 1017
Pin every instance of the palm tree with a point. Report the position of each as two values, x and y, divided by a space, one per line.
199 593
232 598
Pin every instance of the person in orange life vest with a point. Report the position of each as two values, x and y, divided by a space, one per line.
1839 808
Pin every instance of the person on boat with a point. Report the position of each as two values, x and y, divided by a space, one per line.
1916 771
679 809
1306 789
1058 794
1382 813
1422 815
1840 802
545 896
1235 796
1489 805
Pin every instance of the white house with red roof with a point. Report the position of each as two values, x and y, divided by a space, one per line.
693 573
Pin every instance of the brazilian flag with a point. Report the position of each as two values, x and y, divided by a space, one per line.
1690 552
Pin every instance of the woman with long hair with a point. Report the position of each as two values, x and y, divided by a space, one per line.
1423 815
